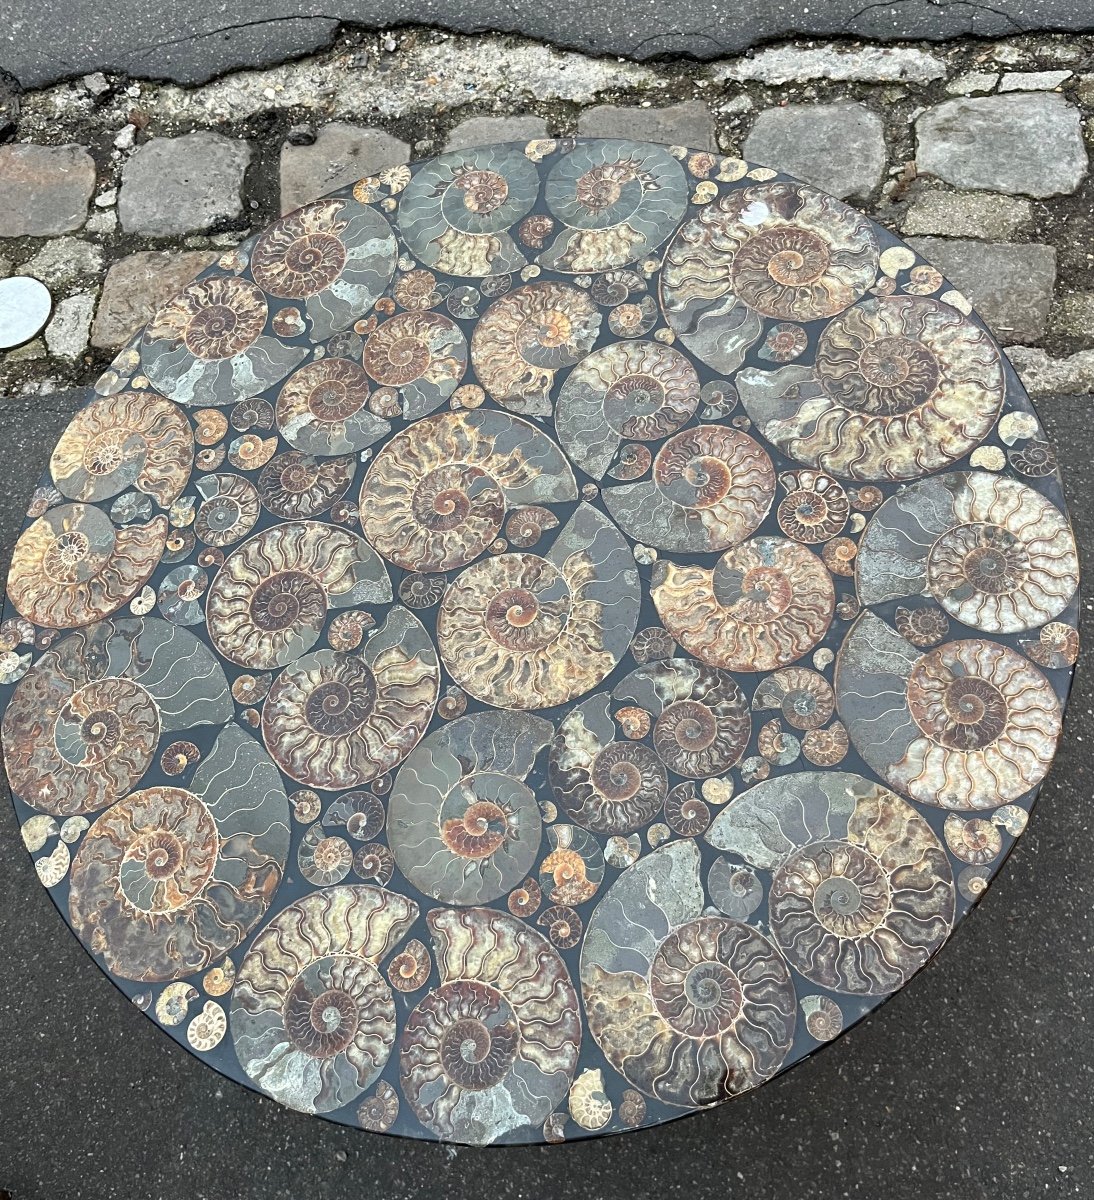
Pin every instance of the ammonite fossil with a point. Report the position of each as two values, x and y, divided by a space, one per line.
463 823
970 724
270 600
776 250
861 892
996 555
123 441
691 1009
524 631
764 605
567 564
901 386
435 496
494 1047
312 1018
168 879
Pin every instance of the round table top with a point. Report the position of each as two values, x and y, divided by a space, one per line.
535 643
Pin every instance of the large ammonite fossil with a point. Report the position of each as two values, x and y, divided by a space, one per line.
422 355
209 344
525 631
901 386
169 879
710 488
691 1008
526 336
295 485
971 724
861 891
312 1017
83 724
334 255
457 213
764 605
996 554
128 440
73 565
776 250
463 823
322 409
615 201
436 495
640 391
701 722
270 600
336 719
494 1047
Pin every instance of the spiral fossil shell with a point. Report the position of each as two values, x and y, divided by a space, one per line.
967 725
861 890
435 496
269 601
524 631
711 488
765 604
83 724
423 355
337 720
526 336
229 509
73 566
463 824
322 409
122 441
996 555
901 386
494 1047
168 880
775 250
296 486
691 1009
312 1018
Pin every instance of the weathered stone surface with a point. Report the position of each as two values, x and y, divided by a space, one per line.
1043 375
340 154
972 82
686 124
178 185
1030 143
64 261
1033 81
1009 285
968 214
865 64
480 131
137 286
839 147
44 189
66 333
1075 316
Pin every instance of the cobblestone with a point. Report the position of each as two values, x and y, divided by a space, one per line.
44 189
1043 375
66 334
63 261
1009 285
173 186
1031 144
339 155
968 215
839 147
1033 81
136 287
686 124
479 131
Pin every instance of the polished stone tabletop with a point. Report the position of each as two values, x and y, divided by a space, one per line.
538 642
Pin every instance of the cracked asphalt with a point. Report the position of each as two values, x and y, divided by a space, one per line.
976 1080
197 40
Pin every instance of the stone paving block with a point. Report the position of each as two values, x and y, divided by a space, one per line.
1030 143
173 186
686 124
480 131
44 189
968 214
66 333
839 147
341 154
137 286
1033 81
1009 285
63 261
